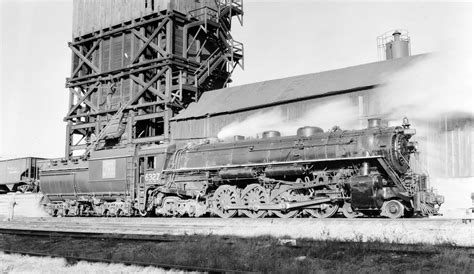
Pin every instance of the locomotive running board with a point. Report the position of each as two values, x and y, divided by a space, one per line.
280 206
274 163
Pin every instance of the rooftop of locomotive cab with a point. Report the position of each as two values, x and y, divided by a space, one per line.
296 88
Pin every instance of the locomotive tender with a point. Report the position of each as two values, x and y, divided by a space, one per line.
313 173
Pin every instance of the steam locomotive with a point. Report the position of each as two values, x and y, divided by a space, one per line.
311 174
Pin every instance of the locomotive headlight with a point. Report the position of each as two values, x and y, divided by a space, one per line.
412 146
409 131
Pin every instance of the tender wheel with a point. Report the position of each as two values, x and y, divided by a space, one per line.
254 195
392 209
326 211
224 196
349 212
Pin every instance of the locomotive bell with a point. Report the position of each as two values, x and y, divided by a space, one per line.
271 134
308 131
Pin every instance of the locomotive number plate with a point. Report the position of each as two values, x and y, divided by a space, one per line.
152 177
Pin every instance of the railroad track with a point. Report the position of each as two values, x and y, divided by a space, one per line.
73 255
64 235
74 259
407 231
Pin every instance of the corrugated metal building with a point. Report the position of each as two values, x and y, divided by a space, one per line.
446 143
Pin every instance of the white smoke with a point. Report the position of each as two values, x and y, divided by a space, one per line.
338 112
436 88
439 84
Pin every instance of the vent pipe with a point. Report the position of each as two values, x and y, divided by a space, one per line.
394 44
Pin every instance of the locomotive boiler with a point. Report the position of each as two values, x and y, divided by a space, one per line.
310 174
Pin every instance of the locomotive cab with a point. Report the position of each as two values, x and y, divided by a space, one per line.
152 160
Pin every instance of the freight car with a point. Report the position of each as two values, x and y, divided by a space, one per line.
20 174
313 173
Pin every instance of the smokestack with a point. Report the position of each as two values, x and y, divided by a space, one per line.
394 44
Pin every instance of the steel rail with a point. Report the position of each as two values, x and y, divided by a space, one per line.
125 262
88 235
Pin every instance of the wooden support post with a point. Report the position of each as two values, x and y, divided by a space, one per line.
68 152
169 37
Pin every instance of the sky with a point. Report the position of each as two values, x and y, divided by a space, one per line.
281 39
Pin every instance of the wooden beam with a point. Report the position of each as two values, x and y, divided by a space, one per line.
84 99
157 62
84 125
147 86
78 147
89 63
102 112
153 45
150 38
131 25
81 62
149 116
148 139
152 89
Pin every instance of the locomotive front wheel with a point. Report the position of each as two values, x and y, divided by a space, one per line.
225 196
253 196
392 209
326 211
348 211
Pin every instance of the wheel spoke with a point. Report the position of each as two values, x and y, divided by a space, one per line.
225 196
254 195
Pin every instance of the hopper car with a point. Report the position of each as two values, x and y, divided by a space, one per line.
20 174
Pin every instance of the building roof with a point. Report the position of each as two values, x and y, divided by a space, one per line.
273 92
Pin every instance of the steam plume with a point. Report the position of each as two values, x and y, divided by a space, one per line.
338 112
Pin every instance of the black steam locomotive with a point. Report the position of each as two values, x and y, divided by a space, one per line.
313 173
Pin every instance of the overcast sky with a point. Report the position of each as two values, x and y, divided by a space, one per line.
281 38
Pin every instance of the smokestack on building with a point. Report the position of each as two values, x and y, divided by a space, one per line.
393 44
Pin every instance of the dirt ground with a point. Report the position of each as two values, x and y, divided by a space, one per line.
262 254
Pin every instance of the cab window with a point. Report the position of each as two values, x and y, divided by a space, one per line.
150 162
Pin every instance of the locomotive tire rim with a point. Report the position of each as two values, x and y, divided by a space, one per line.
253 196
223 197
393 209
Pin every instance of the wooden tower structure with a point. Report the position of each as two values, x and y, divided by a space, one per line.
137 63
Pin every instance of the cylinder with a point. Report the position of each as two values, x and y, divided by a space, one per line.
271 134
284 171
374 122
308 131
238 173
